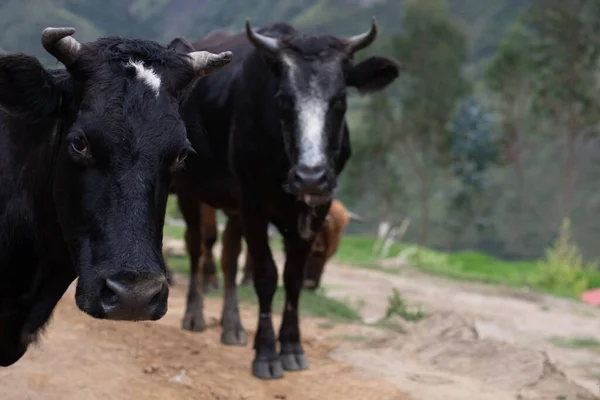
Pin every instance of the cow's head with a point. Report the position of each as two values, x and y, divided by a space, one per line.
326 242
119 137
314 73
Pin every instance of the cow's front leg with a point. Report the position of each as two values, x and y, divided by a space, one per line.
291 353
193 319
233 330
266 364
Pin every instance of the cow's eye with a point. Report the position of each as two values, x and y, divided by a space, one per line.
182 156
79 145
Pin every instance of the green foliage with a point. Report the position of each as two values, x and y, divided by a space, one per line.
576 342
173 208
563 269
565 50
475 266
397 306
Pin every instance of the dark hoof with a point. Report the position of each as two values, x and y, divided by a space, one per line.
294 362
292 357
234 337
265 369
193 323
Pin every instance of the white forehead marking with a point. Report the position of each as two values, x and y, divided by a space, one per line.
311 108
147 75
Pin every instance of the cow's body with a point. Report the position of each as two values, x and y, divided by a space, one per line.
85 168
273 121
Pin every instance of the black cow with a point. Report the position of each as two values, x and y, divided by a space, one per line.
87 154
273 125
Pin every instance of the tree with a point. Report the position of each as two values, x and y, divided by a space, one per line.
509 76
473 149
433 49
564 53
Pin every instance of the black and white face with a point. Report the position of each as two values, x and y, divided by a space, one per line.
312 105
314 73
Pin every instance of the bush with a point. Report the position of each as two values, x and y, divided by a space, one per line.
397 306
563 269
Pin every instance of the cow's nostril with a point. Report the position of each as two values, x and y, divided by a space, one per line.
109 298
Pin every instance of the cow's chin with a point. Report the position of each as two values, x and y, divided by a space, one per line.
314 200
14 343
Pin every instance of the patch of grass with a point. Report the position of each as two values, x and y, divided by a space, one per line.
397 306
358 250
576 342
175 232
353 338
563 269
312 304
326 325
561 274
173 208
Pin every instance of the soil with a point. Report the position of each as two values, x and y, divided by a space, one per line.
475 341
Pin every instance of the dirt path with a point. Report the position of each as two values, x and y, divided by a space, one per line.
477 342
85 359
526 320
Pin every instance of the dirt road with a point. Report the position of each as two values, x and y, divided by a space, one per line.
476 342
85 359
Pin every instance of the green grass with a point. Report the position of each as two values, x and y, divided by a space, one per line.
175 232
466 265
576 342
398 306
358 250
312 304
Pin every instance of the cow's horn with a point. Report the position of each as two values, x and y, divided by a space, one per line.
263 42
354 217
59 43
205 62
363 40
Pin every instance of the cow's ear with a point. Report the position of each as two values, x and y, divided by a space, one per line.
181 45
27 89
373 74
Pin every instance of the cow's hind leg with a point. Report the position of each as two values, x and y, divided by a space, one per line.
193 319
266 363
247 278
291 353
209 238
233 330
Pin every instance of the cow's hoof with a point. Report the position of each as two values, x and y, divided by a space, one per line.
294 362
265 369
193 323
234 337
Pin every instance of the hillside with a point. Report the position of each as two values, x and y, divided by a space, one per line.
22 22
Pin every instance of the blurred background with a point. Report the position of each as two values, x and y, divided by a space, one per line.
487 143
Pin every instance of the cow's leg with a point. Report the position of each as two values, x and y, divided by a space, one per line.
193 319
266 364
233 330
209 238
247 279
291 353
